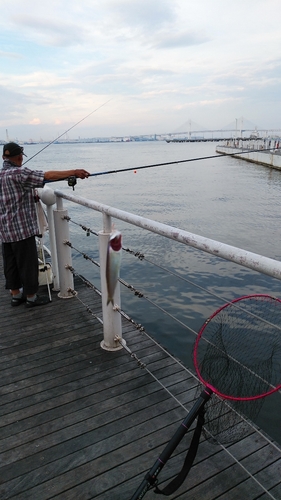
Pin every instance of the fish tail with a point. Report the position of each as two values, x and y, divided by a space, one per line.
110 299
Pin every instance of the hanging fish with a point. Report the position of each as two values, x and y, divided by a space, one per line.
113 261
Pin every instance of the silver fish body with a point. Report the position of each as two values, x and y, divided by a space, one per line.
113 262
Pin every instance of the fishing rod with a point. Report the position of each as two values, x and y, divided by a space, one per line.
173 162
72 179
65 132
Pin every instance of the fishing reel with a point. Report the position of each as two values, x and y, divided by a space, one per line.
72 181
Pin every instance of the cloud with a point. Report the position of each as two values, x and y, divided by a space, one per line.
144 14
185 39
158 59
49 31
35 121
10 55
13 106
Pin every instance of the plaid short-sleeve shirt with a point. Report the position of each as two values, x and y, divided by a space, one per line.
18 219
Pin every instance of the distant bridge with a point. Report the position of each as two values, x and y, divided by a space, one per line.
222 131
239 128
208 135
212 135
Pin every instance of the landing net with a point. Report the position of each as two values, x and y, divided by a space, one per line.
237 355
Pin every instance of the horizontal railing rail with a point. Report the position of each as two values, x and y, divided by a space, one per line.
239 256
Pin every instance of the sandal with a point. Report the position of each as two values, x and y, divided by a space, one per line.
17 301
39 301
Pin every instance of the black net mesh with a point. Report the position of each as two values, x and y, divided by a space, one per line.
239 354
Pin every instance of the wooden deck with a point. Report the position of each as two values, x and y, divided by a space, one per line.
78 422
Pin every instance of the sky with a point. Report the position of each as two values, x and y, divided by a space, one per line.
137 66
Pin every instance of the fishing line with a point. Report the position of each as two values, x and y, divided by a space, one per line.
65 132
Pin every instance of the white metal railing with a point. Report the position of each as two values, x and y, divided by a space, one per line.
61 253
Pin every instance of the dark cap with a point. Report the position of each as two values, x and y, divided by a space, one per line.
12 149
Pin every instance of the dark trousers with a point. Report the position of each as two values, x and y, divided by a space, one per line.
21 265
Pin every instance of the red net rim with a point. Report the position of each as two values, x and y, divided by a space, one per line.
196 348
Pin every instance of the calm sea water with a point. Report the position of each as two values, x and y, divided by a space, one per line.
226 199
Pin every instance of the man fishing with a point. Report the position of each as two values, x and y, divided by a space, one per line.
18 223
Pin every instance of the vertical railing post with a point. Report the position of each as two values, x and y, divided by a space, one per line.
53 248
48 197
63 251
112 324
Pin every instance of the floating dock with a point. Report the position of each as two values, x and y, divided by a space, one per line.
78 422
